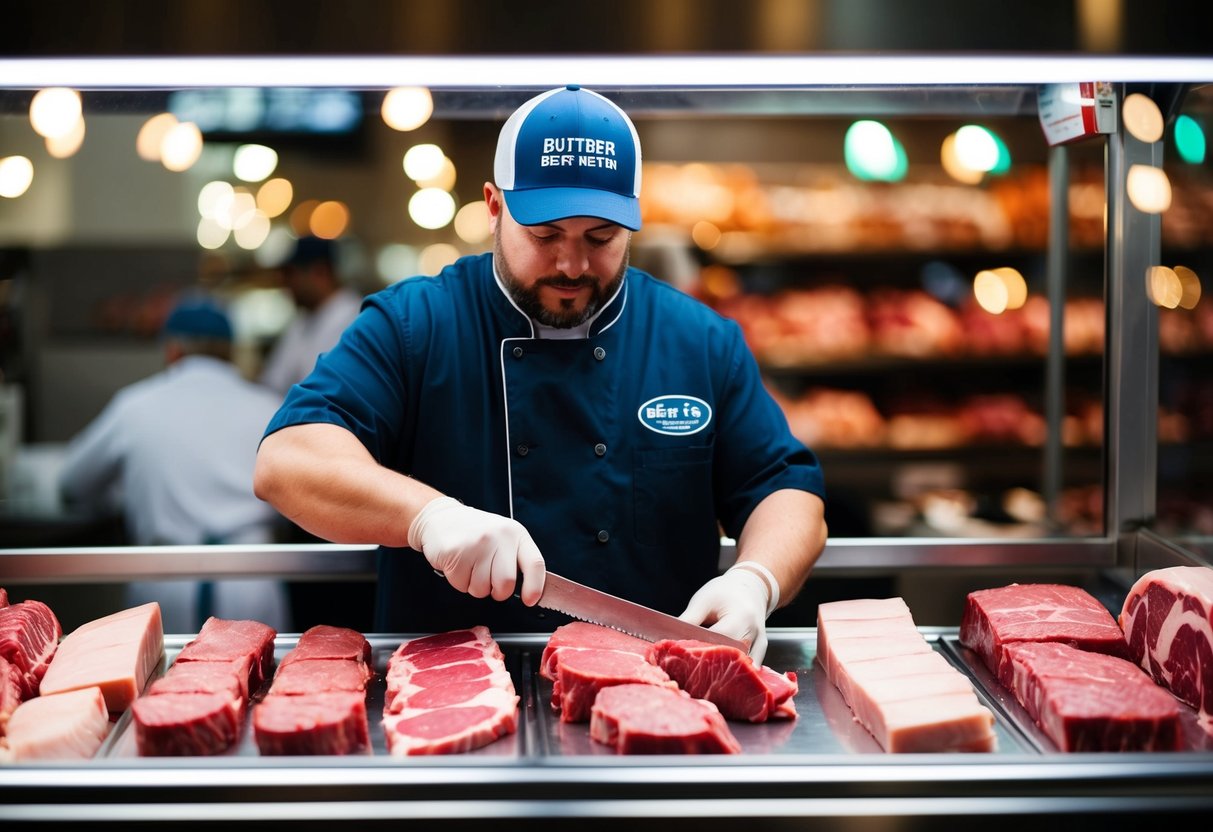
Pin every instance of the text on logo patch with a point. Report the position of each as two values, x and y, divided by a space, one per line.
675 415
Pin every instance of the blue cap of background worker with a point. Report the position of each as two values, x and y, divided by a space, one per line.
195 318
566 153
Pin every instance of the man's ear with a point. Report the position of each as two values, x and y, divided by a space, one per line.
496 204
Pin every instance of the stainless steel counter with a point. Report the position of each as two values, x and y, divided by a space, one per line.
822 765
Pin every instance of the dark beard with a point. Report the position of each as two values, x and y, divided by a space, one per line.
528 301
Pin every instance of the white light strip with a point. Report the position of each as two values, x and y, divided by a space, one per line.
690 71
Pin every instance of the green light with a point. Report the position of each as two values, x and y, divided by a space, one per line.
1004 155
873 153
1189 140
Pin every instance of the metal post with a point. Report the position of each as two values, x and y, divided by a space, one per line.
1055 280
1131 360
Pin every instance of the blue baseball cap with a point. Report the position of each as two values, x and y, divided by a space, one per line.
569 152
198 319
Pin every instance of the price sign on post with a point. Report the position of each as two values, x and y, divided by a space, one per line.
1070 112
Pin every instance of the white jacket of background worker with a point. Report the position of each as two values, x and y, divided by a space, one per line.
181 445
307 336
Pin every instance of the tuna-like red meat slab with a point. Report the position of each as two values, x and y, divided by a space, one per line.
315 723
227 640
185 724
29 636
728 678
649 719
319 675
581 635
1167 619
994 618
582 674
323 642
1087 701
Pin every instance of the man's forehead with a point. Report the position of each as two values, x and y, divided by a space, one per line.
579 224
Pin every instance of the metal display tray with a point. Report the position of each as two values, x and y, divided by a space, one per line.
824 723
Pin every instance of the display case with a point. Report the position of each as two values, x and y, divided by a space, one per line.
822 768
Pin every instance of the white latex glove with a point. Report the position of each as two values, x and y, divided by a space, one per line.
735 604
478 552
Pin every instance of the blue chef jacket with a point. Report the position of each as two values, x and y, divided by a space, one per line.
624 454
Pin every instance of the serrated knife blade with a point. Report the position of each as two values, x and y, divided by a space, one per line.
597 607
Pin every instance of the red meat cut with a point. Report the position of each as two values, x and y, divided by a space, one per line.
333 722
222 640
29 637
3 597
1167 619
582 674
1087 701
183 724
317 701
728 678
994 618
448 693
580 635
10 692
649 719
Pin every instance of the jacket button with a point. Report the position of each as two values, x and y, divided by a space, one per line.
599 353
604 536
600 449
518 352
523 450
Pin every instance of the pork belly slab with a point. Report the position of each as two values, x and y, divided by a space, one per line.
1086 701
728 678
994 618
1167 619
61 726
317 701
116 653
651 719
904 693
448 693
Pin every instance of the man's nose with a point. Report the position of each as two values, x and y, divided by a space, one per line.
572 258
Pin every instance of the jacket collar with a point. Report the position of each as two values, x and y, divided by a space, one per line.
602 320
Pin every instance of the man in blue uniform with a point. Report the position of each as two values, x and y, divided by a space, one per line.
546 406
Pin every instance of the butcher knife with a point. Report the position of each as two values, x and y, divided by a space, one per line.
598 607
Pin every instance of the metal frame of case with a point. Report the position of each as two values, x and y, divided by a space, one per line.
851 792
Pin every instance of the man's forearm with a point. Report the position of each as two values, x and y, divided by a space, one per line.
323 479
785 533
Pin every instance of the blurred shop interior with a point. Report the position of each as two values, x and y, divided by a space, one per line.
887 266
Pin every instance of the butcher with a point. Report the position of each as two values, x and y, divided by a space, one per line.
547 406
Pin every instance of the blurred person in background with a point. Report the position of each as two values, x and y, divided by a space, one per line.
324 308
177 450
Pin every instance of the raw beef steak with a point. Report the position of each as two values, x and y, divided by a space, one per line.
334 722
227 640
650 719
1089 701
1168 621
29 636
185 724
580 635
581 674
728 678
994 618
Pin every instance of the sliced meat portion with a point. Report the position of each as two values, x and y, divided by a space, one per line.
454 730
334 722
29 636
1087 701
581 674
324 642
3 597
651 719
994 618
581 635
63 726
11 689
116 653
223 639
726 677
1167 620
185 724
904 693
230 678
319 675
448 693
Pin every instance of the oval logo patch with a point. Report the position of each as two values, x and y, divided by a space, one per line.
675 415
